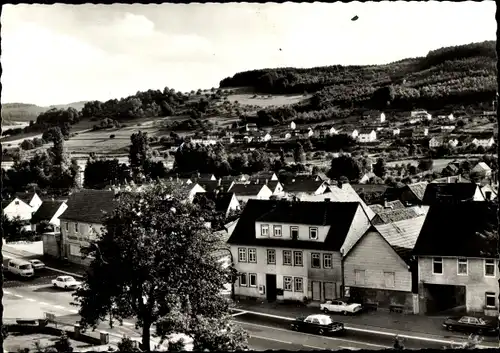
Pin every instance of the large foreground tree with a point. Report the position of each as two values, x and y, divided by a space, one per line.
155 262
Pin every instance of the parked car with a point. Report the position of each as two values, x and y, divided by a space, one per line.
37 264
21 268
319 324
471 324
66 282
339 306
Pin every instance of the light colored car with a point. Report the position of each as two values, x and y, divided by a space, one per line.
37 264
21 268
66 282
339 306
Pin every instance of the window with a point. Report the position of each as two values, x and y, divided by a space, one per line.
389 279
489 267
74 250
287 257
294 232
76 227
297 258
462 267
327 261
67 226
490 300
252 255
298 284
253 279
287 283
16 202
277 231
271 257
242 255
487 194
243 279
315 260
360 277
264 230
437 265
313 233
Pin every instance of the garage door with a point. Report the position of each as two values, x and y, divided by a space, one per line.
329 290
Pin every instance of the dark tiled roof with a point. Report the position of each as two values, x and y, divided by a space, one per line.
88 205
221 199
449 193
272 184
360 188
262 175
338 215
390 216
246 189
451 179
308 185
25 196
391 205
418 189
46 211
211 185
459 230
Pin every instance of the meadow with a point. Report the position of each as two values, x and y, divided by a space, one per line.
265 101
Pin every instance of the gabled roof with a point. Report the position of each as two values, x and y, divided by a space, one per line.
369 188
418 189
246 189
464 229
212 185
338 215
25 196
88 205
390 206
263 175
46 211
389 216
307 185
451 180
482 166
221 199
446 192
272 184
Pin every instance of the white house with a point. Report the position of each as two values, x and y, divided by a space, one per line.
420 113
251 127
245 192
453 143
31 198
486 143
367 136
203 141
49 212
396 131
382 117
482 168
18 208
293 126
354 134
435 142
265 137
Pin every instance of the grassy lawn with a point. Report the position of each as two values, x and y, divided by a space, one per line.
263 100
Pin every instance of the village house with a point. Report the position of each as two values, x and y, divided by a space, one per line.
486 143
285 135
367 136
382 117
17 208
304 133
451 179
204 141
366 177
354 134
447 128
292 250
490 193
435 142
46 218
200 177
387 206
264 176
409 195
82 222
421 114
274 185
396 131
437 193
245 192
225 202
251 127
324 131
227 139
31 198
219 185
293 126
395 215
301 187
379 271
458 268
481 169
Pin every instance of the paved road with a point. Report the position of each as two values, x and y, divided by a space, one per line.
42 277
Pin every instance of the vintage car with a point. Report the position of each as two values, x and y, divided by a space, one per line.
339 306
37 264
471 324
318 324
66 282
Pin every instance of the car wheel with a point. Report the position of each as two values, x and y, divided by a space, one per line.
321 331
295 328
344 313
449 328
55 285
326 311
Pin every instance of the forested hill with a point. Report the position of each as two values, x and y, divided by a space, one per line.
464 74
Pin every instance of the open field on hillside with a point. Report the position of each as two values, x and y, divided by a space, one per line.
267 100
438 164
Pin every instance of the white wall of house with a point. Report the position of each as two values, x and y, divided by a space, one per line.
194 190
76 235
285 231
35 202
18 208
476 281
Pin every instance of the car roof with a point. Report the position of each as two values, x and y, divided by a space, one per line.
65 277
320 317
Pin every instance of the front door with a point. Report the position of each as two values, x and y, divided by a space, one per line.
316 291
329 290
271 287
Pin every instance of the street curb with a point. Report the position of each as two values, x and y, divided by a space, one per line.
350 328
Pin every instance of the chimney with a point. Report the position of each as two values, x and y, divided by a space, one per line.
266 181
219 182
448 179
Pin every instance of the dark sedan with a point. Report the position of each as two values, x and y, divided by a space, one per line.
471 324
317 324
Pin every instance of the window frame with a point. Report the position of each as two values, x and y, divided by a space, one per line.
243 275
393 274
271 251
301 258
315 255
315 230
290 282
293 229
433 265
487 264
301 284
324 260
490 295
280 228
291 257
76 227
254 251
250 276
67 226
262 228
466 266
244 252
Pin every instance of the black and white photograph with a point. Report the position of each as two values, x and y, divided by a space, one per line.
249 176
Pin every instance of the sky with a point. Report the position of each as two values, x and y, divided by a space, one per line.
57 54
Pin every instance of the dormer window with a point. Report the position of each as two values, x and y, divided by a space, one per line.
264 230
294 232
313 233
277 231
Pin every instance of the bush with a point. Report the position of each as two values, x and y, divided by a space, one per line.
63 344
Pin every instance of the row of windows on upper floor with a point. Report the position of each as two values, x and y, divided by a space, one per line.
294 231
463 267
290 258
